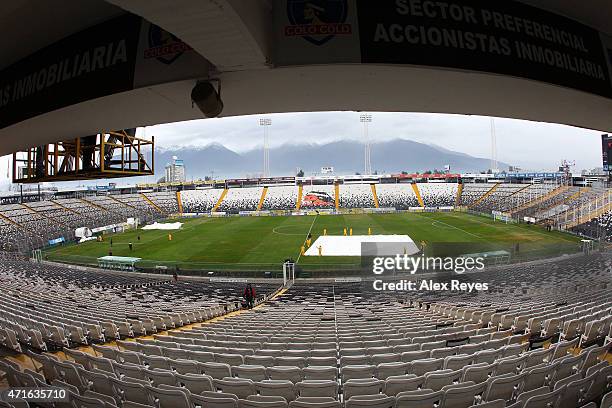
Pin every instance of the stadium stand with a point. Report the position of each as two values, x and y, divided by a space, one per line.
535 336
597 228
356 196
527 195
472 192
110 204
164 200
24 227
557 200
496 200
241 199
399 196
10 234
136 201
438 194
574 197
33 221
200 201
49 306
281 198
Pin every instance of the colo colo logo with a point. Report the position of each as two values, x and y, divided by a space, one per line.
317 21
163 46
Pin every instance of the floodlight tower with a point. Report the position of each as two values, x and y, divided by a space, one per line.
366 118
265 123
493 146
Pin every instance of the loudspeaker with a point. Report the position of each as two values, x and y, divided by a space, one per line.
206 97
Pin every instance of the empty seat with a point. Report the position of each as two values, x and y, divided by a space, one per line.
424 399
420 367
240 387
217 400
216 370
130 391
252 372
370 401
293 374
503 387
355 387
438 379
314 402
317 388
169 398
283 388
320 373
396 384
195 383
385 370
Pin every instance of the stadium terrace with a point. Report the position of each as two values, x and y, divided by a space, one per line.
305 204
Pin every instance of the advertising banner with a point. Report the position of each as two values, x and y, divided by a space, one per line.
500 37
115 56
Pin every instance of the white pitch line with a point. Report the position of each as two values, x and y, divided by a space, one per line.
282 233
452 226
310 229
509 226
492 225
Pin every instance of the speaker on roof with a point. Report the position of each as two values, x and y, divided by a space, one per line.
208 100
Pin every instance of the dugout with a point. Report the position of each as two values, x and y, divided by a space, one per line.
120 263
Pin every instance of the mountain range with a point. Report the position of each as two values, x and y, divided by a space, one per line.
347 157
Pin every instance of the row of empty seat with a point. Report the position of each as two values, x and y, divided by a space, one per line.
539 338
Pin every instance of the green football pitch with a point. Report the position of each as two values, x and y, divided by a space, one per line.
262 243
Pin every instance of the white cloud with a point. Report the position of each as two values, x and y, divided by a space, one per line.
532 144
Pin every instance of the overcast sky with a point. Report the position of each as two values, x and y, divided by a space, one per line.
534 144
531 145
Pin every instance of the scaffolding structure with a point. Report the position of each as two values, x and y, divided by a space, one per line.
108 154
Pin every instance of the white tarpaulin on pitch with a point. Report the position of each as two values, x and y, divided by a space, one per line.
164 226
379 245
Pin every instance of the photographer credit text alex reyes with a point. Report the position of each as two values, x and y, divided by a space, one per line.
412 264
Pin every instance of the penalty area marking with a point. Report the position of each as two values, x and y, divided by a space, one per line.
457 228
451 226
510 226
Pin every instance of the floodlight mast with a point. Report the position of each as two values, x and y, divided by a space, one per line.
366 118
265 123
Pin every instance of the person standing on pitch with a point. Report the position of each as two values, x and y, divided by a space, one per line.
249 296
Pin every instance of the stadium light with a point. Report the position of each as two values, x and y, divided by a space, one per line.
265 123
366 118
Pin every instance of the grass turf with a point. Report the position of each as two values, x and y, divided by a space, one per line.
262 243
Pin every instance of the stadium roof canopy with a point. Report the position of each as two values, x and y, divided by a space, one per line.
74 67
